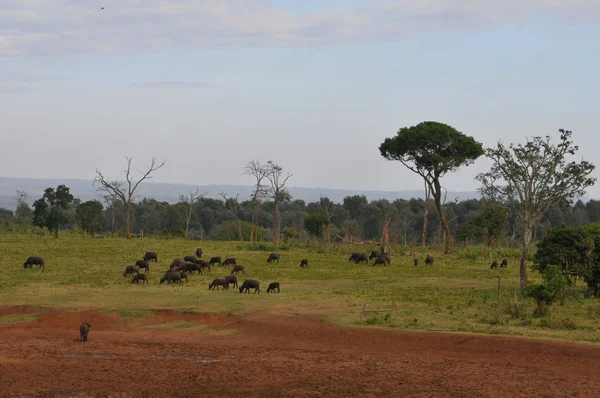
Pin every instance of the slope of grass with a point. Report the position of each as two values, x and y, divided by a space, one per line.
459 292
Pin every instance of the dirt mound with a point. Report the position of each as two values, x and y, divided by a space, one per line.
277 356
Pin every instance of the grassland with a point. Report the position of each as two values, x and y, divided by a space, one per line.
458 293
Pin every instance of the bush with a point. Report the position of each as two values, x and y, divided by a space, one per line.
542 297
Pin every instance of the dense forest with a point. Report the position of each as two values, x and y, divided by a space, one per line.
356 219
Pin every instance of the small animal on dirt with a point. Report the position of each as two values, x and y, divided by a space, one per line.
151 256
231 280
143 264
504 263
229 261
250 284
171 277
237 269
218 282
84 329
131 269
304 263
353 257
494 264
31 261
416 261
273 257
429 260
215 260
139 277
374 254
361 258
189 259
272 287
198 252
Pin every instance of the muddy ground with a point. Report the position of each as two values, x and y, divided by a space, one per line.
278 356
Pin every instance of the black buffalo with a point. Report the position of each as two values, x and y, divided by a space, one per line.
177 263
150 256
143 264
494 264
171 277
361 258
304 263
84 329
272 257
237 269
416 261
504 263
250 284
374 254
215 260
202 264
189 259
198 252
218 282
353 257
429 260
229 261
131 269
191 267
231 280
139 277
272 287
31 261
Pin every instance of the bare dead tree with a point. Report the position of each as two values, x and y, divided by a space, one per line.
259 172
329 209
188 207
126 193
277 181
229 203
116 207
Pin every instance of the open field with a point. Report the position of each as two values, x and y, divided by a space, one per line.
161 330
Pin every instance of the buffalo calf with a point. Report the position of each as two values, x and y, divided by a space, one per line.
84 329
272 287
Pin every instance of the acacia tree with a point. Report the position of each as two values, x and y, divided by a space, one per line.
187 206
532 178
431 150
126 194
234 207
276 192
259 172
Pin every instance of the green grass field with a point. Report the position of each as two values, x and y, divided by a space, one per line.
458 293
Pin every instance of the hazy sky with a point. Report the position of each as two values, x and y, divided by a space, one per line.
314 85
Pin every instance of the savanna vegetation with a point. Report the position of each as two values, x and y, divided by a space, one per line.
529 214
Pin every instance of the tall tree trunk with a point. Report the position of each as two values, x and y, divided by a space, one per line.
277 224
385 236
56 233
113 222
527 233
425 216
128 217
187 229
438 204
239 224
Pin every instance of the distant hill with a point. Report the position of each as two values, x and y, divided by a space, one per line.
85 190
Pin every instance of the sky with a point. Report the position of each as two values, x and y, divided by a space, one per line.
313 85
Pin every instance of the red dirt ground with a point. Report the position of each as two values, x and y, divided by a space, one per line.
278 356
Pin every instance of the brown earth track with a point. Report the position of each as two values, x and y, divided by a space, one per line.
278 356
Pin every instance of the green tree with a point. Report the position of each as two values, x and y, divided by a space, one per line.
431 150
315 224
52 209
533 177
90 216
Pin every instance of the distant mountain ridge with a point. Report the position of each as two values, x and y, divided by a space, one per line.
85 190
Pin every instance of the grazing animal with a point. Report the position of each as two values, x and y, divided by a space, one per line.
177 263
374 254
494 264
361 258
131 269
386 258
202 264
191 267
304 263
229 261
189 259
250 284
272 257
184 275
231 280
150 256
218 282
429 260
198 252
272 287
237 268
171 277
353 257
504 263
139 277
416 261
143 264
84 329
31 261
215 260
381 260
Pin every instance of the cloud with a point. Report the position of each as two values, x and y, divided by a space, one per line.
61 27
171 84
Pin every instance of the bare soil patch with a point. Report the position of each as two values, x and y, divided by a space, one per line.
277 356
